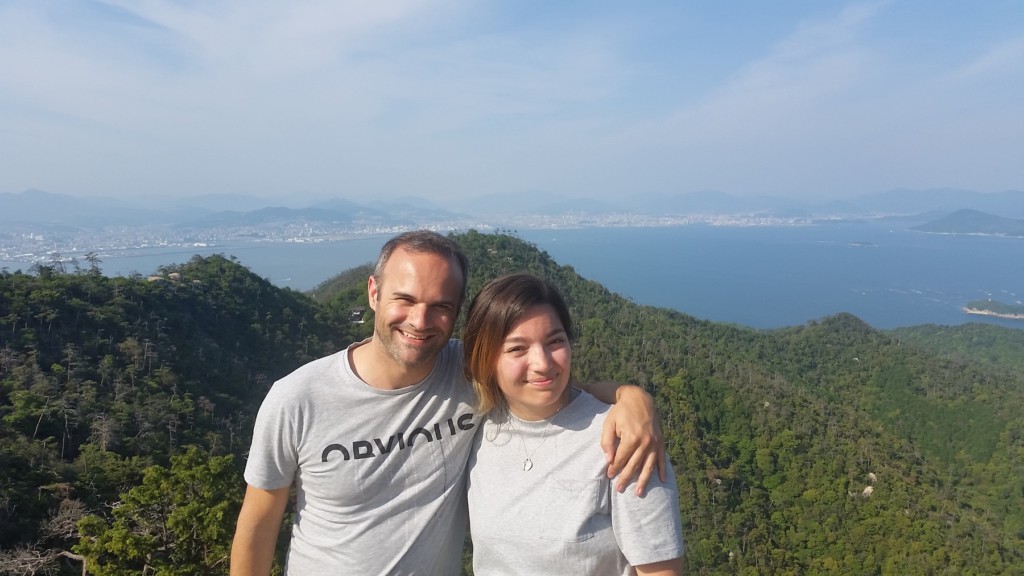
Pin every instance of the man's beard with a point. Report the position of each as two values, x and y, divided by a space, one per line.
411 356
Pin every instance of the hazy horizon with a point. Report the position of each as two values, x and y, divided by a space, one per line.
451 100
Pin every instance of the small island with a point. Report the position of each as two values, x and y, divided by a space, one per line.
994 308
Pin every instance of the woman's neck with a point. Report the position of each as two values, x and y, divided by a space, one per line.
529 414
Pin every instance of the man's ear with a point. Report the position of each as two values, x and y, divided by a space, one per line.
371 292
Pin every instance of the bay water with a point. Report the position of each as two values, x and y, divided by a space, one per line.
762 277
770 277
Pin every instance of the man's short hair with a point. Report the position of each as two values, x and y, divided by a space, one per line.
424 241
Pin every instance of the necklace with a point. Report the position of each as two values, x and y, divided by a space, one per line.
528 461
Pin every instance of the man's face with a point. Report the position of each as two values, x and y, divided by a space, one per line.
415 304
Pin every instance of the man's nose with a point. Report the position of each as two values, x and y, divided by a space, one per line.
417 316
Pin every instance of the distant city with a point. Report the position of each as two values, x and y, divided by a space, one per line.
45 228
51 246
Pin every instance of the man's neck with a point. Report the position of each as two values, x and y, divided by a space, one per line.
372 364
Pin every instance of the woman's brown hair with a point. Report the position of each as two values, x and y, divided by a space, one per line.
492 313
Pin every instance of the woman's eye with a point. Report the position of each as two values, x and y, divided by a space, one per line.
558 341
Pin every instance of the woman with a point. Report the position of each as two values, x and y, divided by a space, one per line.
540 501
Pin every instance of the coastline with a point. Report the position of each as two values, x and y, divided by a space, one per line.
981 312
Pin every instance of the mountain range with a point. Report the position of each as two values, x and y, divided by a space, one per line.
40 209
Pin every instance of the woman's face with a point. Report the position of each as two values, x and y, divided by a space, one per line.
533 366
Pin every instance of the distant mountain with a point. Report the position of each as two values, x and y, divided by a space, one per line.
416 210
919 203
941 200
347 206
38 211
714 202
578 206
405 211
270 216
39 207
224 202
536 202
974 222
405 202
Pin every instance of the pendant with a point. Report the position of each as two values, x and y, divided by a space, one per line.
527 465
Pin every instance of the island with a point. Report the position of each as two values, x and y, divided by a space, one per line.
994 308
974 222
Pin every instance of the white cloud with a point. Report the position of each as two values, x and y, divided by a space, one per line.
1000 61
830 111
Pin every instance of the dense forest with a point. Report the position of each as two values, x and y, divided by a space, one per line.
126 406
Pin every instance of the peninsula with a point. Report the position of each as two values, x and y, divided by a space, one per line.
994 308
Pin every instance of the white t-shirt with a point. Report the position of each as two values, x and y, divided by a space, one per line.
379 474
562 516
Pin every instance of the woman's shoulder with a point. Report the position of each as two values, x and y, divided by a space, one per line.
586 409
587 401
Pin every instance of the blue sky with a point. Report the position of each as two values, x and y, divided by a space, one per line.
451 99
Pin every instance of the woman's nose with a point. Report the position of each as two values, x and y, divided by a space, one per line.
540 357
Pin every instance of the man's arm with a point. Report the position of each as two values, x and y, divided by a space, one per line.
259 522
631 437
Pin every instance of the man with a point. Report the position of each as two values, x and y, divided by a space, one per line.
376 438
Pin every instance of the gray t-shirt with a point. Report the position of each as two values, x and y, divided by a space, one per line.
379 474
562 516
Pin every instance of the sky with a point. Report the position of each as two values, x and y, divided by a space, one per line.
453 99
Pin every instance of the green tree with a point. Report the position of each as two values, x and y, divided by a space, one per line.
178 522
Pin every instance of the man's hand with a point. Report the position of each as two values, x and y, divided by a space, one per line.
632 439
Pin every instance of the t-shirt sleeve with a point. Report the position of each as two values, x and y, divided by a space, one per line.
648 528
273 455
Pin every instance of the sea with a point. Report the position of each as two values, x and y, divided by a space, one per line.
758 276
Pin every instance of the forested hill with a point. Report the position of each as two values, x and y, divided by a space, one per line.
830 448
